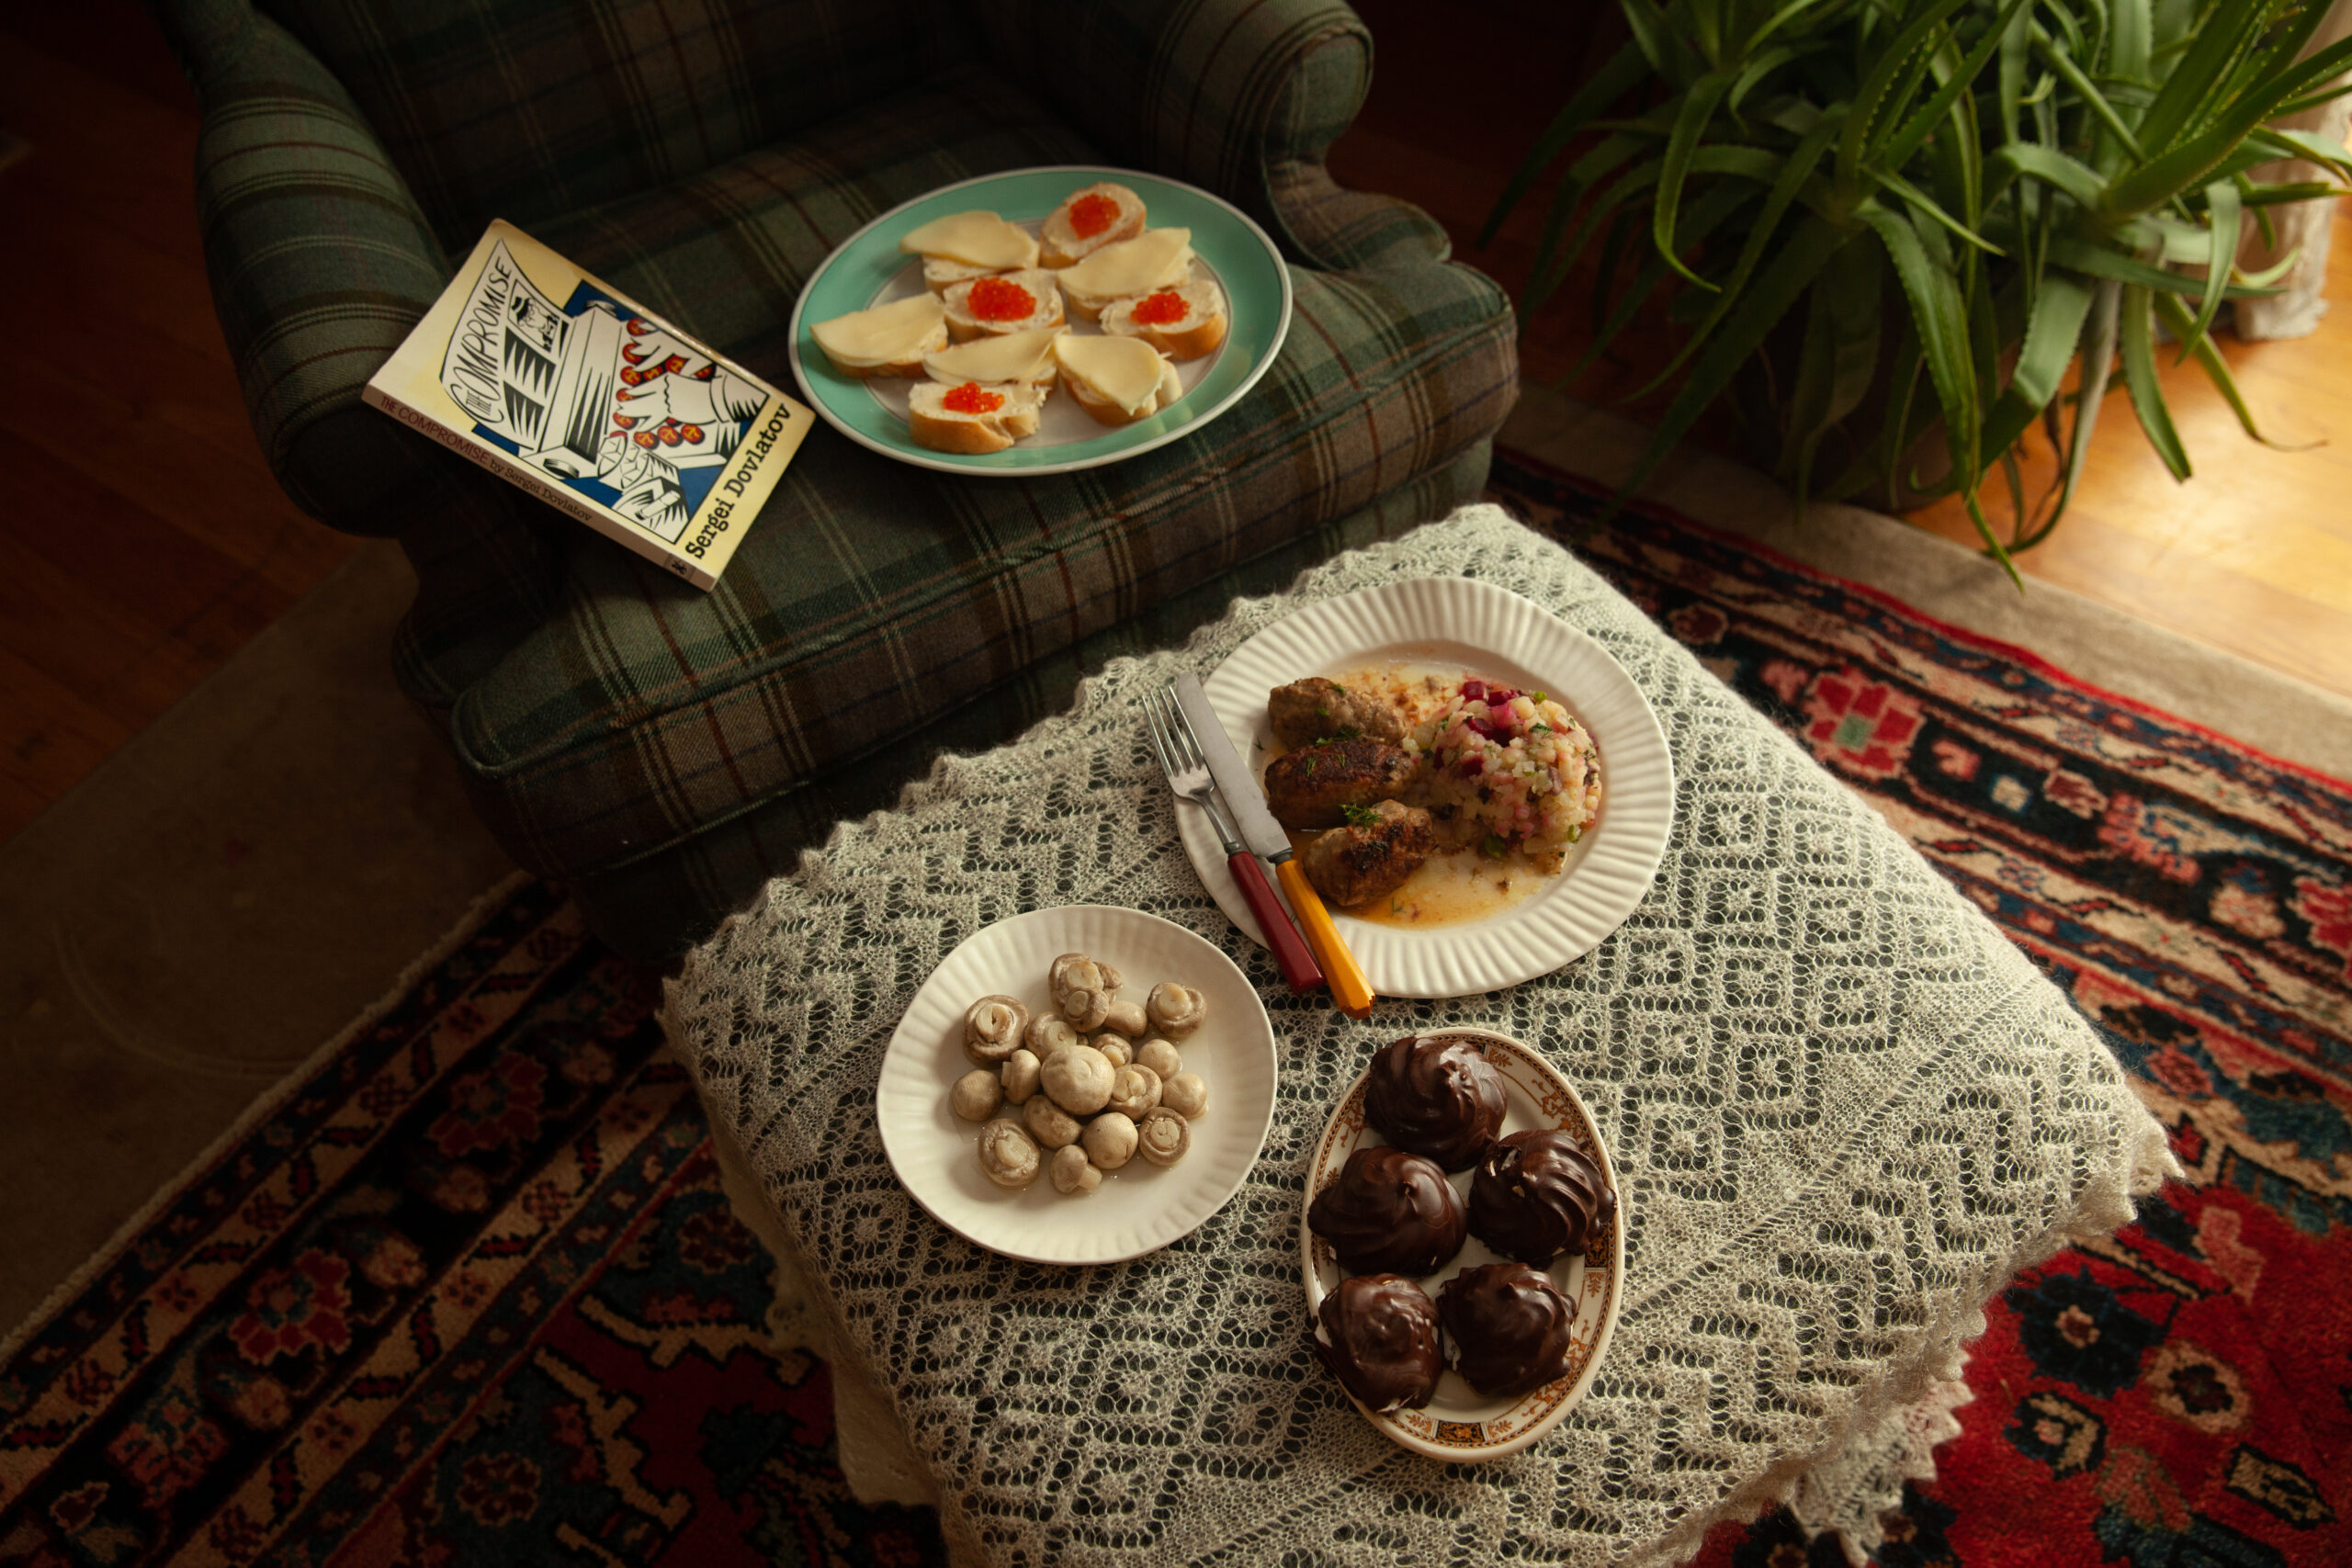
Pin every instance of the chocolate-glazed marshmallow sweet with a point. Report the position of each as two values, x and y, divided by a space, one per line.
1433 1095
1538 1195
1506 1328
1389 1213
1378 1335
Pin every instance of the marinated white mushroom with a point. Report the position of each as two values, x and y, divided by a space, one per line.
1006 1156
1160 1058
1048 1032
1175 1010
1163 1138
992 1029
1134 1091
1087 1010
1078 1079
1076 971
1128 1017
1187 1094
1073 1172
1049 1124
1109 1140
976 1094
1019 1075
1115 1051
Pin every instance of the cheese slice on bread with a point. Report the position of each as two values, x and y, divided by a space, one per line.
1022 357
1087 221
1182 322
889 340
1020 302
1156 258
975 239
1117 381
969 418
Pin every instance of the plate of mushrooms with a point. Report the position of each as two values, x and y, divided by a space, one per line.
1078 1085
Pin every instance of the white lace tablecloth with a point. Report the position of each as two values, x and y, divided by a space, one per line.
1844 1108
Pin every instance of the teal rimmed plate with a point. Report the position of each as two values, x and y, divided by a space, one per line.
868 269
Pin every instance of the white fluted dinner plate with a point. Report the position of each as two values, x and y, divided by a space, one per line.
1459 1424
1500 635
1140 1207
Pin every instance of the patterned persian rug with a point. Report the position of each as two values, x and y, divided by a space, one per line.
467 1290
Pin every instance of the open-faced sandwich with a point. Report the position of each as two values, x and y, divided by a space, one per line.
889 340
969 418
1182 322
1117 381
1156 258
965 245
1087 221
1026 357
1013 302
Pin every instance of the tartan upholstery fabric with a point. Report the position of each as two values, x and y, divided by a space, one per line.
617 727
677 895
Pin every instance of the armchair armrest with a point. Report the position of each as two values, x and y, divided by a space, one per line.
1237 97
320 260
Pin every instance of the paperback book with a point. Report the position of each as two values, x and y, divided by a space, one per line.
564 385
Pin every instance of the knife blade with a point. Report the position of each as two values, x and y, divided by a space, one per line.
1246 800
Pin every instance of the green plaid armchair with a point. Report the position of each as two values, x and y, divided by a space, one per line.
663 751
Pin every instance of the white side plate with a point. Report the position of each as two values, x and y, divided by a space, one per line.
1140 1207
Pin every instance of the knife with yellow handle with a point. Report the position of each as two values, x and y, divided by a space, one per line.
1246 800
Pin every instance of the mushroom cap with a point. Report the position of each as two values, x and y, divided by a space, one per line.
992 1027
1048 1032
1176 1009
1006 1156
1162 1057
1019 1075
1115 1051
1048 1123
1086 1009
1187 1094
1134 1091
1078 1079
1109 1140
976 1094
1073 1173
1163 1137
1128 1017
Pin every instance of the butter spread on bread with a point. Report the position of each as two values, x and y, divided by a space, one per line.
1025 357
888 340
1116 379
976 239
1156 258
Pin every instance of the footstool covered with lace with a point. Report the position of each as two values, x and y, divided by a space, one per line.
1845 1109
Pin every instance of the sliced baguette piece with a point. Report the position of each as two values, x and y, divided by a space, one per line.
1156 258
976 239
976 307
1117 381
971 419
1182 322
888 340
940 274
1024 358
1106 214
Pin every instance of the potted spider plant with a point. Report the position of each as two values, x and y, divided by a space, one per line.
1877 221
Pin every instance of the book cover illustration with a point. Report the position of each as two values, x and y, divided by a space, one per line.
551 378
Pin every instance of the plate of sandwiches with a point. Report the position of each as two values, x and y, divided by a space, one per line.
1040 320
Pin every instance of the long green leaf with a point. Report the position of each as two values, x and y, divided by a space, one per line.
1794 172
1925 207
2176 319
2167 175
1937 310
1872 95
1702 217
1622 72
2079 180
2139 380
2087 90
1776 288
2229 33
1698 107
2221 202
1916 129
1557 254
2083 256
2017 42
1835 372
1655 41
2307 145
